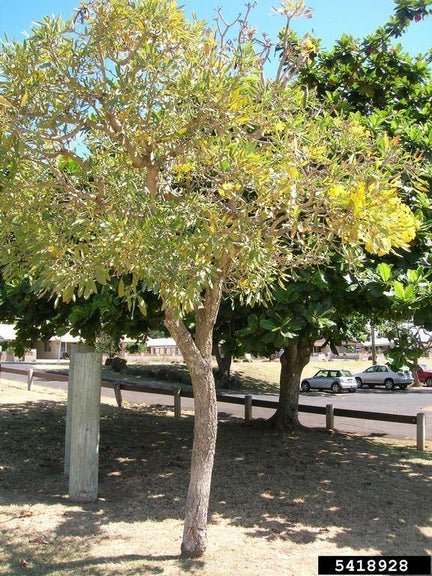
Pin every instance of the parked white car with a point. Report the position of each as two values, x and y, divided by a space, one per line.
334 380
383 375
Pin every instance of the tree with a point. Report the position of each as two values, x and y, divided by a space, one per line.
408 298
189 171
317 303
390 93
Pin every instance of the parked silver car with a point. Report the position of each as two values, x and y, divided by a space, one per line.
382 374
334 380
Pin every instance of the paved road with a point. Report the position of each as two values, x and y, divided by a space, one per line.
409 402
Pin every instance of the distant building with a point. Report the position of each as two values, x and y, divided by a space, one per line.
349 350
162 347
56 348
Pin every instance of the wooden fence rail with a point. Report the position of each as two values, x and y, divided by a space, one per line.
247 401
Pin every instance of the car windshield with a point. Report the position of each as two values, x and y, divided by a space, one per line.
345 373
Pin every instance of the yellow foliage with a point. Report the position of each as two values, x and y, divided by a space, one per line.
377 217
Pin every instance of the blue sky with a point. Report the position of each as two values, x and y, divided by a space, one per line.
330 17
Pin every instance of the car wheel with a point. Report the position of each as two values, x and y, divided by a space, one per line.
305 387
352 389
402 386
359 382
389 384
429 382
336 387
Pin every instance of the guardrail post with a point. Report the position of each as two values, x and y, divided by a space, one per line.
75 349
84 448
177 402
421 431
329 417
248 407
30 380
118 395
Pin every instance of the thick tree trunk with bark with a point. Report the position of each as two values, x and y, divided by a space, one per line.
224 363
293 360
198 356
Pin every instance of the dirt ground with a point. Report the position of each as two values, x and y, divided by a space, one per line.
277 501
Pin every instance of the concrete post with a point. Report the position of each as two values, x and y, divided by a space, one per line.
421 431
84 450
75 348
329 417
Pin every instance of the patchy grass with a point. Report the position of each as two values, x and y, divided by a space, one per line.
277 501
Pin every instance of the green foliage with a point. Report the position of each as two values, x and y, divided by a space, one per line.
407 348
39 317
317 304
144 148
135 347
390 92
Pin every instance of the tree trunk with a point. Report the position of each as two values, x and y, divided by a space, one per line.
416 382
293 360
223 362
203 451
198 356
373 344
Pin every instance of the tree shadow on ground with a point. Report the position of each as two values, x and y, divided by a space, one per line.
300 488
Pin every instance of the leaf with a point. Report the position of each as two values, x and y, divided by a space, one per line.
142 306
100 275
399 289
121 288
268 337
384 270
410 293
24 99
68 293
413 275
267 324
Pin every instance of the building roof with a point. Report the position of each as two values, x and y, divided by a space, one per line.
7 332
378 342
66 338
161 342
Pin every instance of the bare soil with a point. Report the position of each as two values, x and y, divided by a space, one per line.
277 501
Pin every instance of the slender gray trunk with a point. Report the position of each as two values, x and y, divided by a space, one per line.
198 356
203 451
293 360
